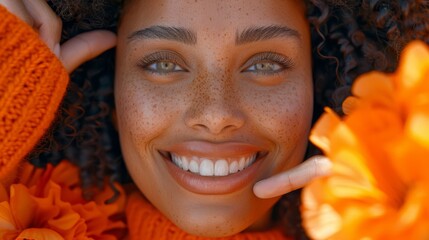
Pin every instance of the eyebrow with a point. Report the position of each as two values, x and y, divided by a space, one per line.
254 34
164 32
186 36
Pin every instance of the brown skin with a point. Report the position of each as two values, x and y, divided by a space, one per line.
212 93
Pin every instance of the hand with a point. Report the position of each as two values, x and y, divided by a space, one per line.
294 178
72 53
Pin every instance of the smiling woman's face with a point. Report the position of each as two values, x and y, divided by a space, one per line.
212 96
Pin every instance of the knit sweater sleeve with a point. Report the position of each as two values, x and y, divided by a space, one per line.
32 84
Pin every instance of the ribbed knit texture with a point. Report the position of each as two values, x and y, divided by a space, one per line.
32 84
147 223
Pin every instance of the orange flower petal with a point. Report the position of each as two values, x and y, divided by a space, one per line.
378 188
65 222
412 209
407 151
43 211
4 196
414 66
417 127
66 174
39 234
22 205
350 104
29 174
7 221
375 86
323 222
320 132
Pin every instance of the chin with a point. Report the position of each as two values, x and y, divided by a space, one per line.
219 216
216 225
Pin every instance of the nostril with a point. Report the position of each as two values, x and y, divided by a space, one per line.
217 126
216 116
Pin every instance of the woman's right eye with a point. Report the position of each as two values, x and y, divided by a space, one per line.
164 67
163 62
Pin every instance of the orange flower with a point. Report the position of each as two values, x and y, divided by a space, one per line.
48 204
379 186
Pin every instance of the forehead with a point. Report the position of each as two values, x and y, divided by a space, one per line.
218 15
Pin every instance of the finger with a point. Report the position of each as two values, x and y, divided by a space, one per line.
294 178
85 46
18 9
46 22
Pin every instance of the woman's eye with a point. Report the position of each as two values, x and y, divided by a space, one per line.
265 67
268 63
162 62
164 67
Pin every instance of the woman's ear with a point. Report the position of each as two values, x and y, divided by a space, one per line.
114 119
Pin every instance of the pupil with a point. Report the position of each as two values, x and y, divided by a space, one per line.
264 66
166 65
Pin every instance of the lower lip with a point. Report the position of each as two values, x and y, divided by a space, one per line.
214 185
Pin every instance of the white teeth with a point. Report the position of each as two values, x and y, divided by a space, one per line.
241 164
247 163
233 167
208 167
221 168
193 167
185 163
175 159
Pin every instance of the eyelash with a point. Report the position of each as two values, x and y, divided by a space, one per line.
271 57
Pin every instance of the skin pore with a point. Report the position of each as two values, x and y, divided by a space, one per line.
212 82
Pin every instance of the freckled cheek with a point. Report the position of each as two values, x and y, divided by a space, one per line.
144 113
284 115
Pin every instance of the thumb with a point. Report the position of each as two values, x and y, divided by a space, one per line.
84 47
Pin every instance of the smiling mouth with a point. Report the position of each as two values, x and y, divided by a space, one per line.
213 168
204 166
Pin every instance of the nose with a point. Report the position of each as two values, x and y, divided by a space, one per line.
215 107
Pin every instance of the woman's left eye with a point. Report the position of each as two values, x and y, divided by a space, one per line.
266 67
267 63
164 67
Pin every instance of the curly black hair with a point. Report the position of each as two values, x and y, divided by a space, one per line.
349 38
84 131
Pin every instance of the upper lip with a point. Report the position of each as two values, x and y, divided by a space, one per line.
212 150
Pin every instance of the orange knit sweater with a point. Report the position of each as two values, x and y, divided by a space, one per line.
32 85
